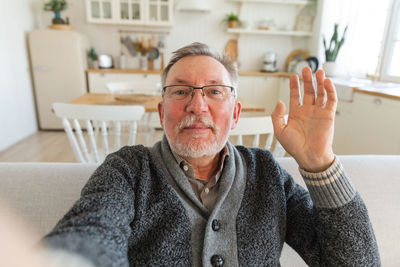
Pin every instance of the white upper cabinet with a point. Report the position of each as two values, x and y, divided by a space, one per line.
100 10
132 12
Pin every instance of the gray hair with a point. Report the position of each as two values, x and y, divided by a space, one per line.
200 49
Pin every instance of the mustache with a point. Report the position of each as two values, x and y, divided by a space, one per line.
191 119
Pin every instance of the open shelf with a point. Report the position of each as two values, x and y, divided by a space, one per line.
269 32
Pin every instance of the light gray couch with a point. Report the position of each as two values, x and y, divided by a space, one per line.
43 192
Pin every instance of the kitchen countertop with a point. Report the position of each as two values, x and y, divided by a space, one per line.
392 93
365 86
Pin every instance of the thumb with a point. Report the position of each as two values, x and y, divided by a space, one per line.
278 118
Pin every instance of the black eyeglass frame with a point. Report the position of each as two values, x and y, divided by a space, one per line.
200 88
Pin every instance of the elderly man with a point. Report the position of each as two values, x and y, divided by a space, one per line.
195 199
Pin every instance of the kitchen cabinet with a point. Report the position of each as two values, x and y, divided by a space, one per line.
260 90
367 125
130 12
299 24
344 129
98 81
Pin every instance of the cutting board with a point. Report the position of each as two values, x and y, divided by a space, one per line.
231 50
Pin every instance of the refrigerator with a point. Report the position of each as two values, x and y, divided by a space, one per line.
58 65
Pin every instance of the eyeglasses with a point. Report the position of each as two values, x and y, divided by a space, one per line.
211 92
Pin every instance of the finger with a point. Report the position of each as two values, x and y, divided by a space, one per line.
294 93
331 94
321 94
309 93
278 118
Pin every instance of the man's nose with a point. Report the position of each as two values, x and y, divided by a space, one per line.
197 103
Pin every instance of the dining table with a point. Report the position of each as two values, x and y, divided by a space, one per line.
150 102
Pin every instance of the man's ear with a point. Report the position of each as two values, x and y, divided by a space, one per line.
236 113
160 108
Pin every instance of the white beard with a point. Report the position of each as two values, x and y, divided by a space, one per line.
196 147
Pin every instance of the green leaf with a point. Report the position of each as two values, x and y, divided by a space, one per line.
332 51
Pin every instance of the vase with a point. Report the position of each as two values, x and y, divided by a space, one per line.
232 24
57 18
329 68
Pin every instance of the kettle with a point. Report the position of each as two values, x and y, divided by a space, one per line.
105 61
269 62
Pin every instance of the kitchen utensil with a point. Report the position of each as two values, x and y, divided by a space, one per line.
231 50
269 63
162 63
153 53
298 54
161 42
105 61
300 66
153 41
145 44
122 61
313 63
127 41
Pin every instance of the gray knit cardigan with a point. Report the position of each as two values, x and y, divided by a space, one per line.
128 215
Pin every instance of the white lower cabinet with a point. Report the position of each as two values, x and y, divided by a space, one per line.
98 81
368 125
260 90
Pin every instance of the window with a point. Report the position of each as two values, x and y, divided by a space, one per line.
366 22
390 67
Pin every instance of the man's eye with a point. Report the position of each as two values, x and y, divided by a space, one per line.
179 92
215 92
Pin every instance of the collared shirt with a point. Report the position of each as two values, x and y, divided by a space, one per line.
206 191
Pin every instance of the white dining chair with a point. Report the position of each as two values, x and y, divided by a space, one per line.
141 88
258 131
105 128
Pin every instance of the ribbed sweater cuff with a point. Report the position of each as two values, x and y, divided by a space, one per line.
330 188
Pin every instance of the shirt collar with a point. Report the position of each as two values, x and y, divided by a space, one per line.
224 155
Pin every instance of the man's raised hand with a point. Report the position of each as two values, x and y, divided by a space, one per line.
308 133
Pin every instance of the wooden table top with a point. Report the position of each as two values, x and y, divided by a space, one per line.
150 102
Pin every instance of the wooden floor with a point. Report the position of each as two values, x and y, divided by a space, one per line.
46 146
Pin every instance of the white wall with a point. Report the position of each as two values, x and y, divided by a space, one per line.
17 112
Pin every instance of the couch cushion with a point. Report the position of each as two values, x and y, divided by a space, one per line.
377 179
42 192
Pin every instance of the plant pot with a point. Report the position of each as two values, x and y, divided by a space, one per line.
57 18
232 24
330 68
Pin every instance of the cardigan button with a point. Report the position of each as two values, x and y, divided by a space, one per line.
215 225
217 261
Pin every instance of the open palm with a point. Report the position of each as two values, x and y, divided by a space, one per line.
308 133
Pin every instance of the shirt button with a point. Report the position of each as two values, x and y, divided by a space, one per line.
215 225
206 190
217 261
185 168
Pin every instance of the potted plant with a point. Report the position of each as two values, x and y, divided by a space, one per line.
92 55
232 19
332 51
56 6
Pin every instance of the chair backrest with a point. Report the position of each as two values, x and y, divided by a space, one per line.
260 131
136 87
102 122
